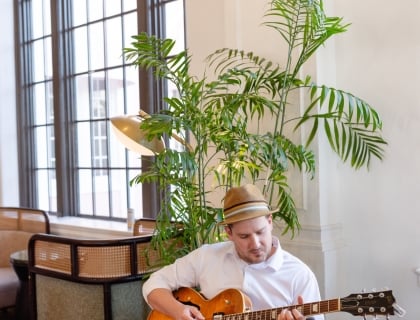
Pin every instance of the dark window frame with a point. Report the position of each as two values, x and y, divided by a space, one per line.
150 18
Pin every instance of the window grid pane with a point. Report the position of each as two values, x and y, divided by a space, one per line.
70 114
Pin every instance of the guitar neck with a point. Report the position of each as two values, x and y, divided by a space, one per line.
319 307
307 309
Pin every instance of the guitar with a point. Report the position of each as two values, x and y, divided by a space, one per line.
232 304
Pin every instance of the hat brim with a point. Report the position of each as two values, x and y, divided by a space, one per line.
246 216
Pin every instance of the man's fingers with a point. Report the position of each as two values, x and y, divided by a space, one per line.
297 315
196 314
285 314
292 314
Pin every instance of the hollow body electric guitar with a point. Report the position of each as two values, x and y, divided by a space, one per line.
232 304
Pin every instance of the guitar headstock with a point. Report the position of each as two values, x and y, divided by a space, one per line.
369 303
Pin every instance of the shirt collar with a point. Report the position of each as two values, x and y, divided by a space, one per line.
274 262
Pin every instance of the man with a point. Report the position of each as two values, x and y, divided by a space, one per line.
252 262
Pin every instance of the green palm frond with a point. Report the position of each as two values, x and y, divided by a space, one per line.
153 53
293 20
352 126
355 144
304 25
285 207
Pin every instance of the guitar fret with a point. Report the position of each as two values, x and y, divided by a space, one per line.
300 308
316 307
273 314
328 306
306 309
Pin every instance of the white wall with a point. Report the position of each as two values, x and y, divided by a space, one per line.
359 227
9 195
378 58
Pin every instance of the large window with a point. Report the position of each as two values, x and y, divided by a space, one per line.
72 80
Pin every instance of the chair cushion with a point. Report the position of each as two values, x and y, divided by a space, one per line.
10 241
9 284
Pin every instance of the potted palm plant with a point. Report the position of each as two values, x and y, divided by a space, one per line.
224 124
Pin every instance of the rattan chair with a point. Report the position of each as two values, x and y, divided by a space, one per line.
88 279
24 219
144 226
17 225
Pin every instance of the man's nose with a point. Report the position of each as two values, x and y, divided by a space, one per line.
254 241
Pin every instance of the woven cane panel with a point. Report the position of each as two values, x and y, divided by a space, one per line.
9 220
147 257
11 241
52 256
104 262
32 222
144 227
22 219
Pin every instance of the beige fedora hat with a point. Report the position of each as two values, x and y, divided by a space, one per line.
243 203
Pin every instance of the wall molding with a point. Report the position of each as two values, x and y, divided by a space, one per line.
322 238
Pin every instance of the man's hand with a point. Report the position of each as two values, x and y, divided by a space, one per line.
191 313
163 301
292 314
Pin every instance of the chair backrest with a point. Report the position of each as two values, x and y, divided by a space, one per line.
24 219
107 273
144 226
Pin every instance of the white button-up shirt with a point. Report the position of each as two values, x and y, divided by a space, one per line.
214 268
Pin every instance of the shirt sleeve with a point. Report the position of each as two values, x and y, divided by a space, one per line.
309 289
182 273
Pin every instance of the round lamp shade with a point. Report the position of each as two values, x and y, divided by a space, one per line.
127 129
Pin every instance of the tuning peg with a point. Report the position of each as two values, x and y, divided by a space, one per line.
398 310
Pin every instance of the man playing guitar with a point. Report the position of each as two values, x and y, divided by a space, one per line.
252 261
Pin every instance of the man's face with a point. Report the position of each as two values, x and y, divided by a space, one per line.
252 238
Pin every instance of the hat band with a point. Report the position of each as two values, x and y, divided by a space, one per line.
264 207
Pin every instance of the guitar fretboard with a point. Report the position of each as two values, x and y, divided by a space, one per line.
307 309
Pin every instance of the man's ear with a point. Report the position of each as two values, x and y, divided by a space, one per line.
228 230
270 221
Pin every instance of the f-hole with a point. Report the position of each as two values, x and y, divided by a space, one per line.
189 303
